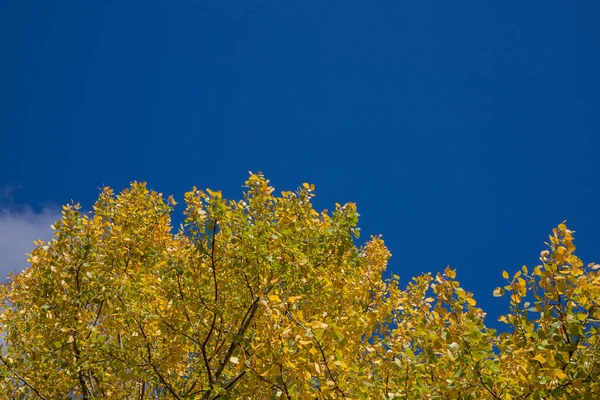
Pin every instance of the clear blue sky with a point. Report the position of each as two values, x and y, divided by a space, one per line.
465 131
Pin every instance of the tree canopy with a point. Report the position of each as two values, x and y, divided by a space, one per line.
267 298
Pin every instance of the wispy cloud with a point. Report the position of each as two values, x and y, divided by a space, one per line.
19 227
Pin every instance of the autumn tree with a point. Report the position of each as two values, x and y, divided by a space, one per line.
267 298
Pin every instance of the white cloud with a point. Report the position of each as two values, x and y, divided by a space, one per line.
19 227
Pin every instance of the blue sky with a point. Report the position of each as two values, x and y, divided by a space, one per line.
464 131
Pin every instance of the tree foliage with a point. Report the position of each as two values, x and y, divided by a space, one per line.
267 298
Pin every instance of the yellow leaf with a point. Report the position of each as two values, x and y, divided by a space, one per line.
471 301
498 292
562 227
451 273
318 325
517 274
540 358
275 298
505 274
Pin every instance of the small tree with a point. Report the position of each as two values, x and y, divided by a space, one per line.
264 298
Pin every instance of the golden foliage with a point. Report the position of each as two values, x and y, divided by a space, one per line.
267 298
